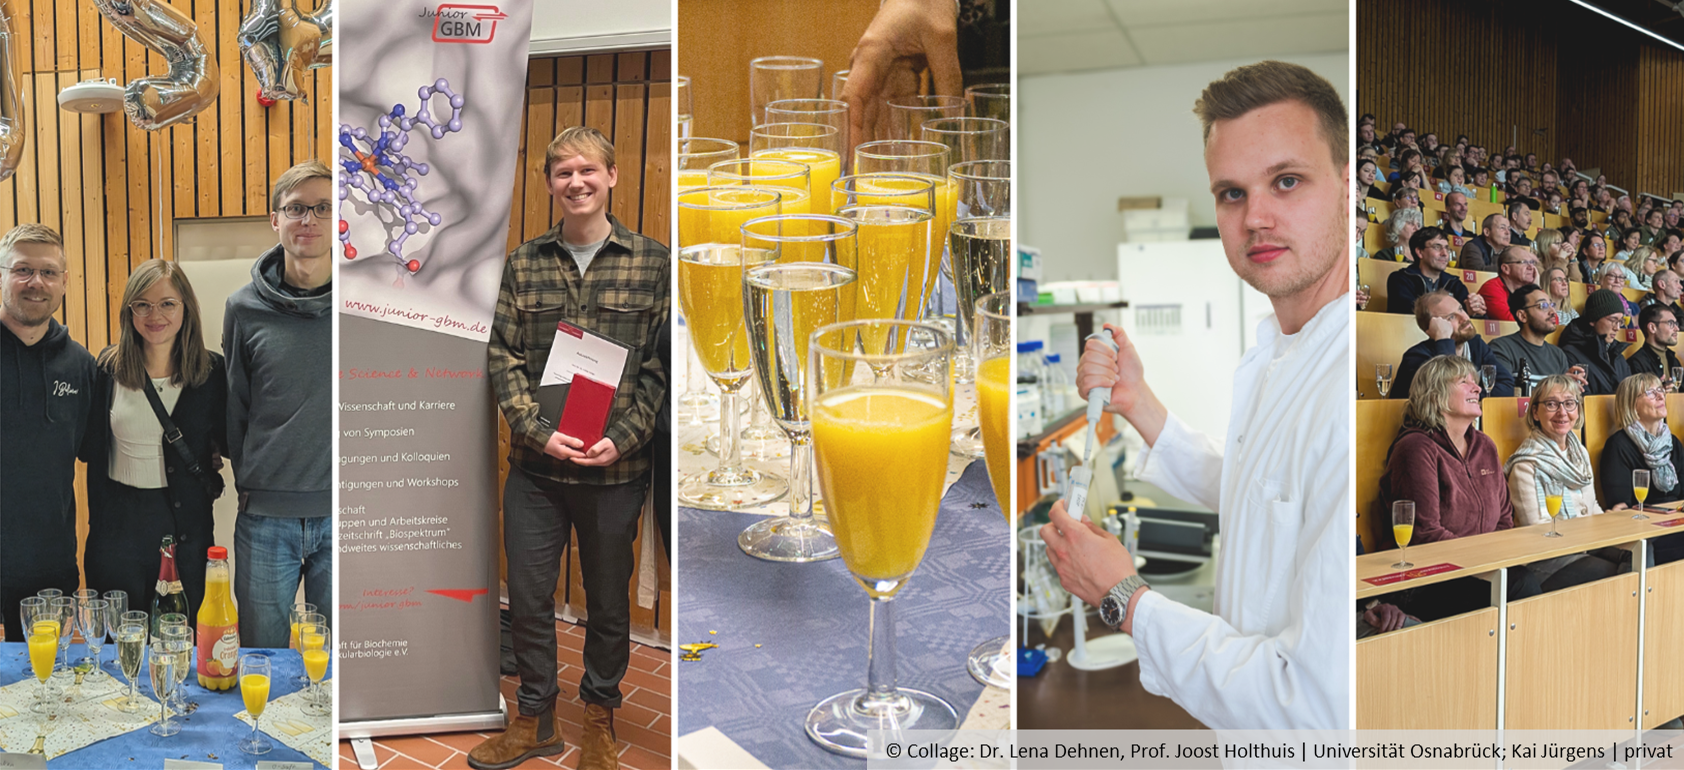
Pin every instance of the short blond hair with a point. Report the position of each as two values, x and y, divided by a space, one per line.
1626 395
578 140
1269 82
295 176
1547 387
30 233
1429 392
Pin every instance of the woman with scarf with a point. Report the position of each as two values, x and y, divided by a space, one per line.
1644 443
1552 461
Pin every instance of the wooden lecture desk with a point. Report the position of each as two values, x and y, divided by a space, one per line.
1598 656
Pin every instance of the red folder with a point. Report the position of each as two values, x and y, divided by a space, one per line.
586 412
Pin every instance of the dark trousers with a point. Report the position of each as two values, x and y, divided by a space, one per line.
538 515
14 589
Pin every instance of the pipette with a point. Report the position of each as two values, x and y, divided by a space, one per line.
1076 505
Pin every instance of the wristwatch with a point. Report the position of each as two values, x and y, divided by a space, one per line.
1115 605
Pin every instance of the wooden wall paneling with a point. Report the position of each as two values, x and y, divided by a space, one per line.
569 111
23 183
657 166
230 152
718 39
1660 121
102 303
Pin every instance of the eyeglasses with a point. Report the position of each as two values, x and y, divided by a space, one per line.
1559 405
296 210
22 274
1544 305
1655 393
169 307
1528 263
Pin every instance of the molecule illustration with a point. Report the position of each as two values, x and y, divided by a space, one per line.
377 167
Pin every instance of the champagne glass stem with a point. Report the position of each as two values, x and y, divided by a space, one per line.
880 654
1553 520
730 444
801 476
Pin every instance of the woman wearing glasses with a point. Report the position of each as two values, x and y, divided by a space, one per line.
1553 461
140 485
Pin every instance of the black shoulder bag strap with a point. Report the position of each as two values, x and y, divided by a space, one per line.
172 437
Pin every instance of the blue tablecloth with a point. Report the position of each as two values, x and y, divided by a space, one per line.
810 620
211 729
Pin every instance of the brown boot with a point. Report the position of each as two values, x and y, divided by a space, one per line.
598 749
524 739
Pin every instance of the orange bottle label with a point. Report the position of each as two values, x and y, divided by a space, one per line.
219 650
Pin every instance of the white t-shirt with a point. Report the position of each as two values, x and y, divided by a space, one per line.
137 438
582 255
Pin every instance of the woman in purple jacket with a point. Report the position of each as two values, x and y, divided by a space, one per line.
1453 474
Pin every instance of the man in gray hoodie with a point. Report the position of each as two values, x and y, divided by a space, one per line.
278 338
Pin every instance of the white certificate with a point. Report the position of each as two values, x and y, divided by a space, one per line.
579 351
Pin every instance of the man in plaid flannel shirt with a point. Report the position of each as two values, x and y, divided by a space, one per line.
592 272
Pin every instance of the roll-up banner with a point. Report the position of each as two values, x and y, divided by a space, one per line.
430 99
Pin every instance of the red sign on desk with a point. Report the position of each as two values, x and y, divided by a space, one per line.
1673 523
1410 574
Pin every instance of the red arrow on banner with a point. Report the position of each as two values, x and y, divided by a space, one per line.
459 594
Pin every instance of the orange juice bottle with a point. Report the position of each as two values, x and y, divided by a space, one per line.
219 627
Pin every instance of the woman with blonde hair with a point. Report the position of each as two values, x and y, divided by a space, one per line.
1560 292
1552 461
1450 470
1641 441
1399 226
1553 249
142 486
1640 267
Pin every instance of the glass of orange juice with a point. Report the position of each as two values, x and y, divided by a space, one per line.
991 348
1403 528
254 690
865 406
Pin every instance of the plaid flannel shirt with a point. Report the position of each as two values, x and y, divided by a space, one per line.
626 298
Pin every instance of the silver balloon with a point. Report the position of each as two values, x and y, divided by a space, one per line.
11 107
280 43
191 85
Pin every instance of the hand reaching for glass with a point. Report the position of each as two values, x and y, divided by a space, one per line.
904 37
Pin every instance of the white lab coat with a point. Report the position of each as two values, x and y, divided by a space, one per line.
1276 655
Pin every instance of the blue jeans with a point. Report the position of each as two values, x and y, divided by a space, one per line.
271 554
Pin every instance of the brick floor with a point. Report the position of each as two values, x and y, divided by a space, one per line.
644 725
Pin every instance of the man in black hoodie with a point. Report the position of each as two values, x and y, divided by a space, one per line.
46 393
1591 341
277 335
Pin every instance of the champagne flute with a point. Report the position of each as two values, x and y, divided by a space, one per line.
181 637
829 112
926 160
315 647
908 114
1403 528
1552 504
970 138
1678 379
771 78
1383 379
42 626
893 280
980 245
866 405
311 617
131 646
695 155
82 597
64 608
254 690
1487 378
818 147
161 671
991 346
116 603
1640 490
838 81
294 617
28 608
683 99
48 595
92 613
805 283
990 100
710 292
1363 287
